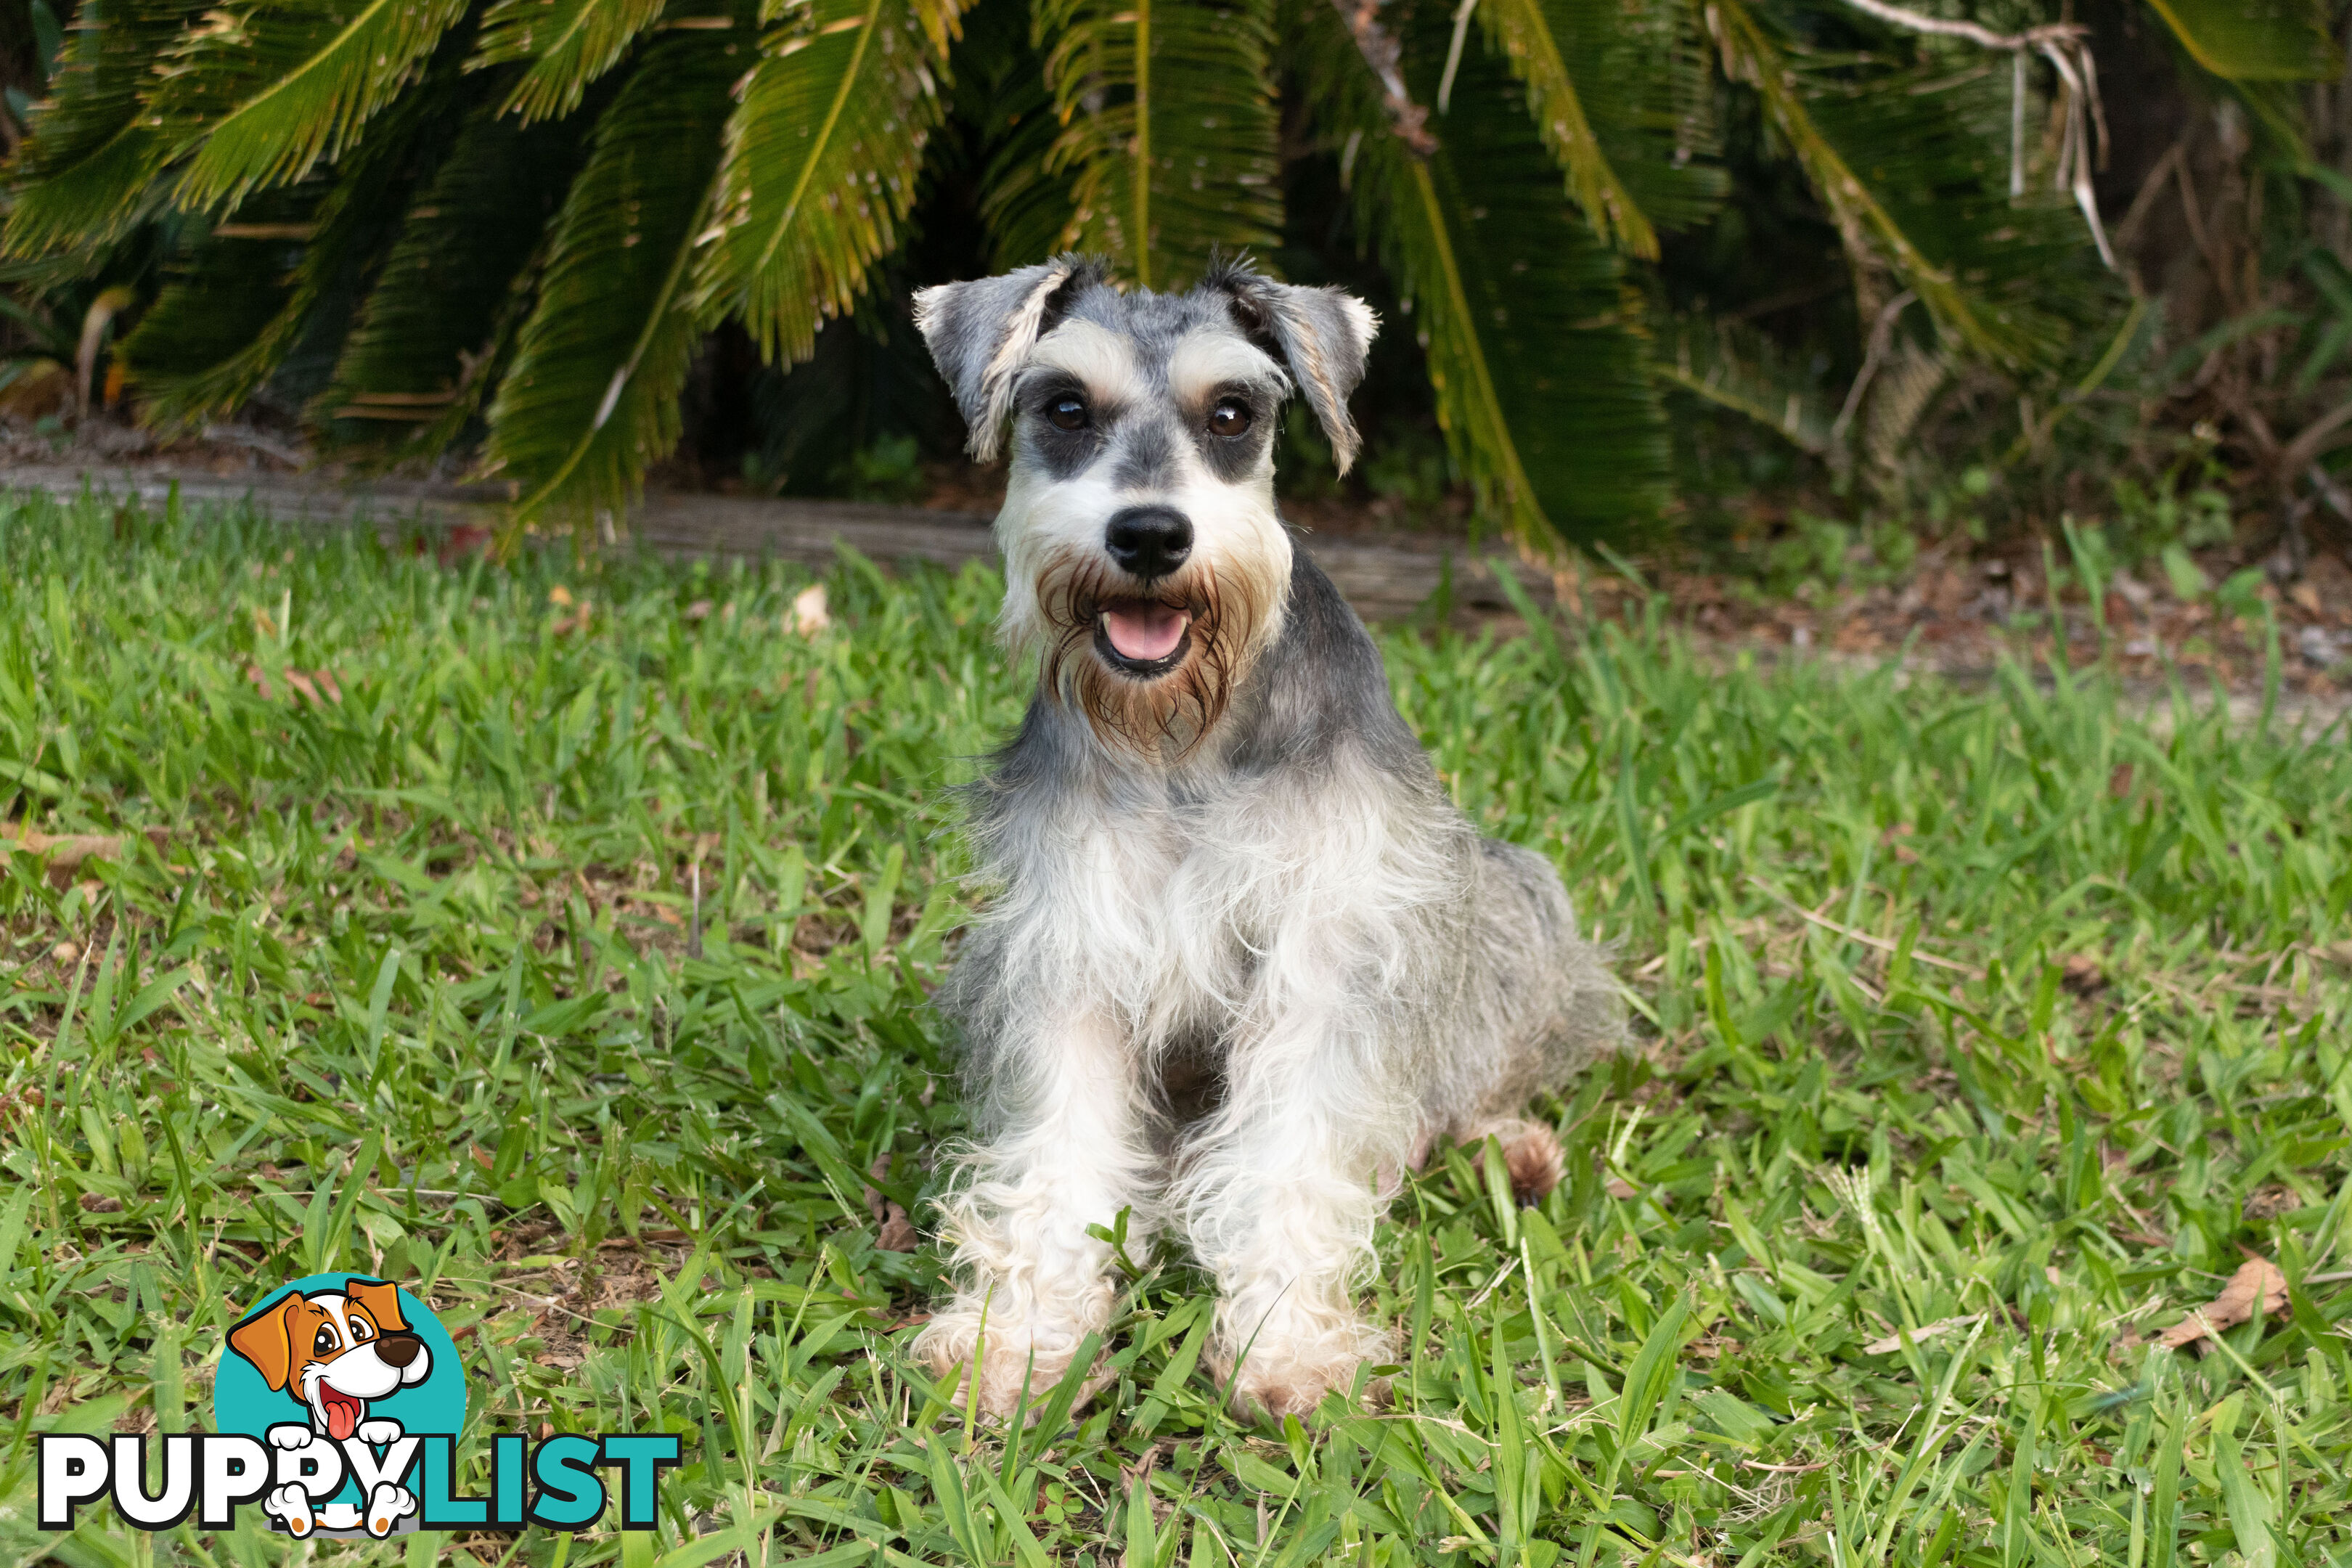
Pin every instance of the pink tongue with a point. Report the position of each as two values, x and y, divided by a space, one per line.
1145 632
343 1418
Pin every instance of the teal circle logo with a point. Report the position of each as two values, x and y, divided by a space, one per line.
324 1360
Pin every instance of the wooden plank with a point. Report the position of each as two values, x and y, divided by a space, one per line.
1386 580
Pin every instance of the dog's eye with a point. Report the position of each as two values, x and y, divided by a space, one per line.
359 1330
1066 413
324 1344
1231 417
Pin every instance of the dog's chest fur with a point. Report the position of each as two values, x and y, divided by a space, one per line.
1297 844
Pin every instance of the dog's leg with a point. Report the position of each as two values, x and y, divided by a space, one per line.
1032 1282
1280 1195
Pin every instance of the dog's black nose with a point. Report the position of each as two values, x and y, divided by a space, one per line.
398 1350
1149 541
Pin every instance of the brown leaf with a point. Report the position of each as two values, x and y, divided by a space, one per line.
2258 1279
98 1203
1619 1187
64 851
2271 1201
2084 975
810 614
898 1232
1894 1343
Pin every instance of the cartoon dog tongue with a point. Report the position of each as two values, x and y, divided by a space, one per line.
1144 632
342 1414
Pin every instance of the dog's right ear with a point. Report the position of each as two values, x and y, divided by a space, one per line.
266 1340
980 334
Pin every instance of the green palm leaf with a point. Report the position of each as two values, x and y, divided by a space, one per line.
219 333
82 178
2255 41
425 350
302 78
821 163
1001 95
1746 372
591 398
2022 282
1170 128
568 43
1532 334
1870 232
1620 96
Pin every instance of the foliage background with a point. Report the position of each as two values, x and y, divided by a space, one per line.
1665 265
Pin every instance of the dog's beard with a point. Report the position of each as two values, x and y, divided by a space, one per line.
1163 705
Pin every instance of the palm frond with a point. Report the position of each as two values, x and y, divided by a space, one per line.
418 363
1533 336
1920 140
821 163
568 43
83 177
1000 93
216 335
1804 108
591 397
1745 371
2256 40
1620 96
229 312
1169 129
301 78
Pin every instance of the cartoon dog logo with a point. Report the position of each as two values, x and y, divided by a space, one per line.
332 1351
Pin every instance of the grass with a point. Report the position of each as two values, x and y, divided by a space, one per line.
2006 1020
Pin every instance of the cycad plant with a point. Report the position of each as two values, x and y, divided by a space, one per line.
505 226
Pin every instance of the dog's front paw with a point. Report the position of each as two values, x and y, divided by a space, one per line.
292 1504
387 1506
1279 1375
1014 1370
291 1435
379 1431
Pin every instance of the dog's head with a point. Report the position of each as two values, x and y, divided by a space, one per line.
333 1351
1142 553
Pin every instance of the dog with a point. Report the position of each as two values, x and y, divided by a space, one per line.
1246 961
332 1351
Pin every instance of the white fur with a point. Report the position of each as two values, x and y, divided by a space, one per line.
1101 358
1205 361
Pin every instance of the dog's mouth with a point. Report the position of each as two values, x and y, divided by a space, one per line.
342 1412
1141 637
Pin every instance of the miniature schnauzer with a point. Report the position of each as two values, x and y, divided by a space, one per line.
1245 959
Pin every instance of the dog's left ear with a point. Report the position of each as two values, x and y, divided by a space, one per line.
266 1340
1323 335
381 1301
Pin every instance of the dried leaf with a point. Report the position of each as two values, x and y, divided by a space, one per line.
1893 1342
65 850
810 615
2257 1279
